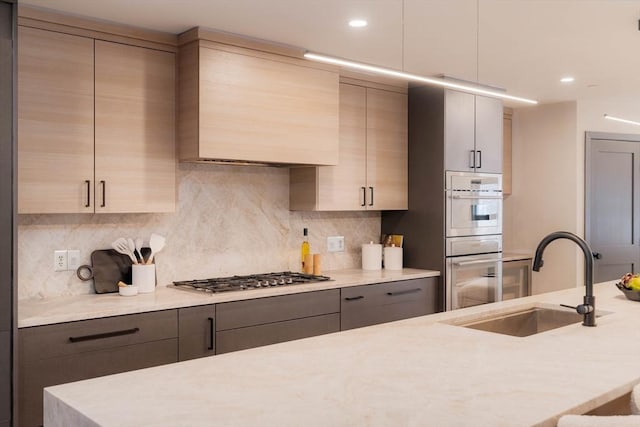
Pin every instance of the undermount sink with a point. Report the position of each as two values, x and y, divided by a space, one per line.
526 322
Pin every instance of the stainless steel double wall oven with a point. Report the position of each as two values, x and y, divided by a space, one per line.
473 239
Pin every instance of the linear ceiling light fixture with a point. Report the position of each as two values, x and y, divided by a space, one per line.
618 119
414 77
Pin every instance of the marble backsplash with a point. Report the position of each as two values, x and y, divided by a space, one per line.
228 220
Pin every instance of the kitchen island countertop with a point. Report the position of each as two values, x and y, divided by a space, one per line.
414 372
44 311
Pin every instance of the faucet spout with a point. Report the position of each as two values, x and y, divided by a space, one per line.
588 308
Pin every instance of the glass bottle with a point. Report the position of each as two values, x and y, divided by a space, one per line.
304 248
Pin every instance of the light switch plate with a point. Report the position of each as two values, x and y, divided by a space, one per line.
335 244
73 259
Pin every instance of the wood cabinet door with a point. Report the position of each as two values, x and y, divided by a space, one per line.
266 110
387 150
342 187
489 122
55 122
459 130
134 129
196 332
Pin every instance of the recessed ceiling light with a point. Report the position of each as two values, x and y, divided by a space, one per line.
357 23
567 79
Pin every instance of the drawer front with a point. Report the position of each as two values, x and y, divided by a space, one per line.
196 337
386 302
35 375
239 314
90 335
272 333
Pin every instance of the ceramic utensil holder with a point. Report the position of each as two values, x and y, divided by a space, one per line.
144 277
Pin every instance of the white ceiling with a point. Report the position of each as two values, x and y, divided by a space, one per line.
524 46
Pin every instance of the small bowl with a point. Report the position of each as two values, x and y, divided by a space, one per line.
632 295
128 291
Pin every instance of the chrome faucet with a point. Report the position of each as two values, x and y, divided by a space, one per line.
588 308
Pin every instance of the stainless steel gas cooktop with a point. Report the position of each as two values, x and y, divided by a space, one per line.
253 281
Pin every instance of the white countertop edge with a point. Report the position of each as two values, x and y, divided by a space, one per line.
46 311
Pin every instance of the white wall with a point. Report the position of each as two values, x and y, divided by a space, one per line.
548 178
546 190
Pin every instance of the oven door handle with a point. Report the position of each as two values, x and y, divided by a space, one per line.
459 196
478 261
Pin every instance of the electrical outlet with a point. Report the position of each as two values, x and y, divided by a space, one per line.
73 259
59 260
335 244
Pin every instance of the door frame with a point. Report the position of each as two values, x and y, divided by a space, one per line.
589 138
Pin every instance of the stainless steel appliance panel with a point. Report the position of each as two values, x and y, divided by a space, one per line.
473 280
473 204
472 245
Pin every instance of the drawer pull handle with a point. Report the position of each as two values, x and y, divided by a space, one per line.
408 291
210 319
353 298
104 335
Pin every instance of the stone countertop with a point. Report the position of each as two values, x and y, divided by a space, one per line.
414 372
37 312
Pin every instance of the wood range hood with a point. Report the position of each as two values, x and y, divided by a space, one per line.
245 101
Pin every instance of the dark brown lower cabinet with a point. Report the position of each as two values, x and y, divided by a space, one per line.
196 332
385 302
5 377
252 323
66 352
272 333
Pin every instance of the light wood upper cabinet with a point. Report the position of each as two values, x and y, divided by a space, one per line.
134 134
387 150
372 173
55 122
244 105
96 125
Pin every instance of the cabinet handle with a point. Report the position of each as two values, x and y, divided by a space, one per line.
371 201
364 196
479 159
104 194
353 298
210 319
88 204
104 335
472 159
408 291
